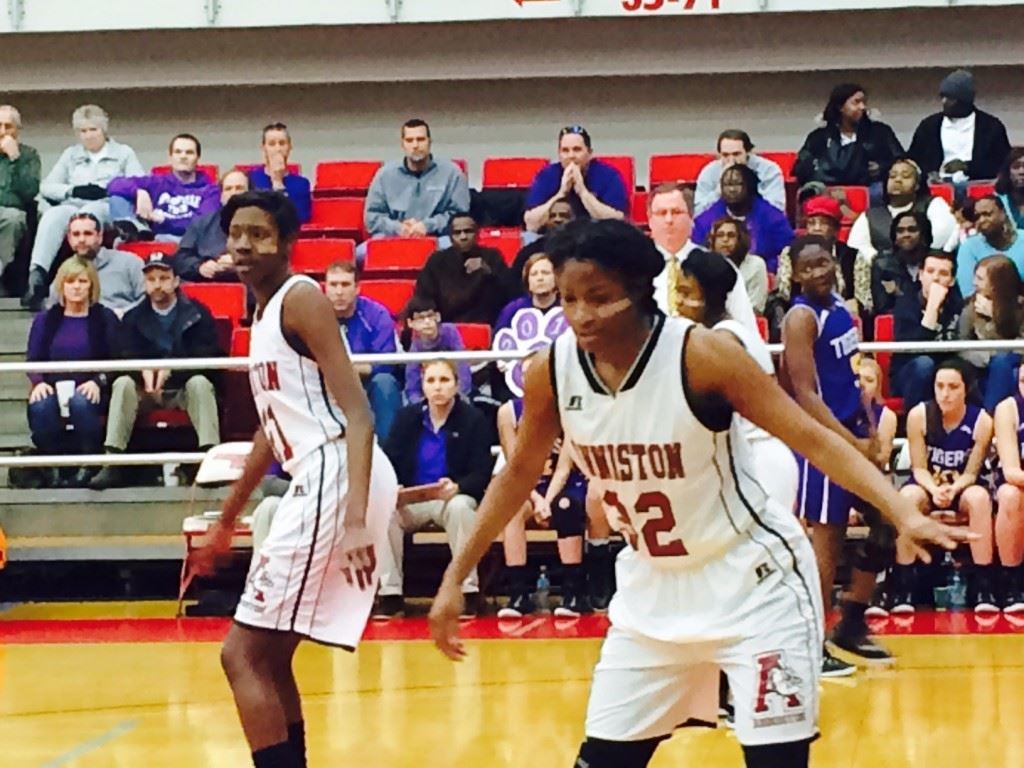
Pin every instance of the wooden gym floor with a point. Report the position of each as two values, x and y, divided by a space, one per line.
119 685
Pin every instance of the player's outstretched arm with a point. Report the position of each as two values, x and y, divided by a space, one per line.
712 368
218 540
504 498
308 316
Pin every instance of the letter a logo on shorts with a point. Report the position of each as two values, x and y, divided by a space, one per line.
775 679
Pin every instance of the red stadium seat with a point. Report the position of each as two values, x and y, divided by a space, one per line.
142 250
393 294
511 172
345 177
884 331
762 327
844 233
226 300
164 418
293 168
638 208
786 161
945 191
336 217
240 342
979 189
505 240
463 165
312 257
475 335
678 169
398 253
626 167
212 171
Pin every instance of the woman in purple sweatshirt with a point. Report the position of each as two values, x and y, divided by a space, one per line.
539 280
76 328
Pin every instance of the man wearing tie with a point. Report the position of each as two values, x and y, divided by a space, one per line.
670 216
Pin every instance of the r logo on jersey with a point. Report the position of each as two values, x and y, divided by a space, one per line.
575 403
777 699
299 490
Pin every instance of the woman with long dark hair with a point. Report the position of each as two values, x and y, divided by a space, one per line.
995 311
851 148
731 238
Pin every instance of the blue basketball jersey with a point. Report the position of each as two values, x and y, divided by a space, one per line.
835 352
948 452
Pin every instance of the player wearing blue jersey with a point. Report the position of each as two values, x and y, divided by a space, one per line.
819 370
949 439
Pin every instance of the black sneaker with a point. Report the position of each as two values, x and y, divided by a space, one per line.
980 595
108 477
902 604
574 605
472 605
859 643
834 667
881 604
388 607
1013 596
985 602
520 605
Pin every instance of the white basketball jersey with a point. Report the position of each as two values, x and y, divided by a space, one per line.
687 491
297 412
757 349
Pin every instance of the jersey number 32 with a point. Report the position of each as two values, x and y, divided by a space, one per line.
658 522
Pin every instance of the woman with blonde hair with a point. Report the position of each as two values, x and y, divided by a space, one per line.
76 328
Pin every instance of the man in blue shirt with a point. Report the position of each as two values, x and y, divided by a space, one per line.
368 328
594 189
277 148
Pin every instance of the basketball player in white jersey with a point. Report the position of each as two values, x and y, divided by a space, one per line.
715 575
315 575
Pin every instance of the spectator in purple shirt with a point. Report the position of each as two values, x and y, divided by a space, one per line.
77 327
429 334
277 149
594 189
541 293
769 228
164 204
367 328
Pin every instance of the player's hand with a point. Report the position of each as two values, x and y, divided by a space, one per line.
541 508
444 621
207 558
358 558
922 532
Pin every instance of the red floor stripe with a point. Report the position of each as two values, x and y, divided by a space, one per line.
27 632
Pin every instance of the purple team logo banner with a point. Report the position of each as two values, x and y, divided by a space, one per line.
530 330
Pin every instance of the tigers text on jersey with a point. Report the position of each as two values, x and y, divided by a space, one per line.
689 492
296 411
948 452
835 356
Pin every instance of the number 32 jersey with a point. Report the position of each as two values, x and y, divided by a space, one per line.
296 411
688 492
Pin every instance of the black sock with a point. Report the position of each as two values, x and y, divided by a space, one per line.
276 756
853 614
518 580
572 579
297 738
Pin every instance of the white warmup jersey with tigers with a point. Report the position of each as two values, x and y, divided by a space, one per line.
717 577
774 462
296 583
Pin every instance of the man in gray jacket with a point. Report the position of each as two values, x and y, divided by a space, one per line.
416 196
77 183
735 147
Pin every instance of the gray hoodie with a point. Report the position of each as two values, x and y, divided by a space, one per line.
397 194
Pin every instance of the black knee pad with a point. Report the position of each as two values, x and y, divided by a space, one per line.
598 753
792 754
876 552
569 515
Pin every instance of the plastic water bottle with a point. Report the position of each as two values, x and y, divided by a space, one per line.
542 597
957 586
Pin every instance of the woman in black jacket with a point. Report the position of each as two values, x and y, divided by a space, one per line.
443 442
851 149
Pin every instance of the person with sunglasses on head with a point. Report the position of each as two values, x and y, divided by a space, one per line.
275 175
594 189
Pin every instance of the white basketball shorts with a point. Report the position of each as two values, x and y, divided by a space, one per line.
295 582
755 613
